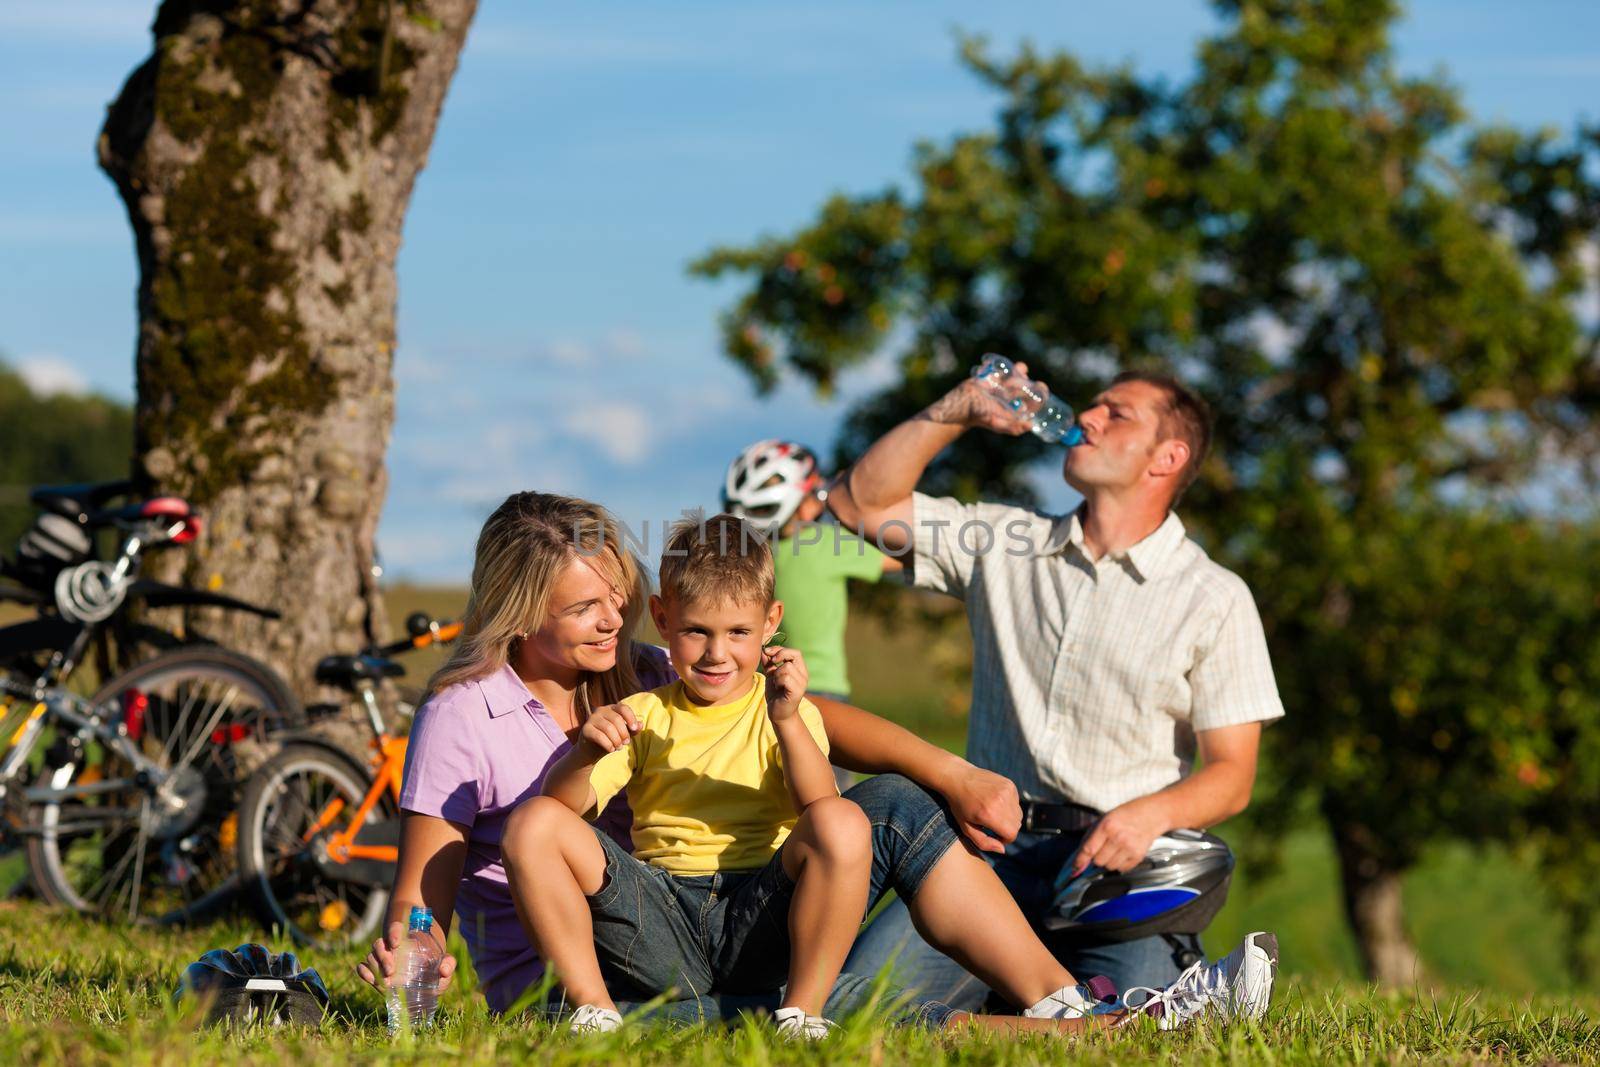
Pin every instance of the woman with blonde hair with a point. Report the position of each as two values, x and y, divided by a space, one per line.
548 636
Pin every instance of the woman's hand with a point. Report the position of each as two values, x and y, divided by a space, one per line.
787 679
607 729
377 970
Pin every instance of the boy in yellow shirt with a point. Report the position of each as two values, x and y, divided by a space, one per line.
749 871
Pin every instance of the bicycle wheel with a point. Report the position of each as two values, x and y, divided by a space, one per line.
162 851
290 808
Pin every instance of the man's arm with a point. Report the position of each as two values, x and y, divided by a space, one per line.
874 496
1219 790
984 804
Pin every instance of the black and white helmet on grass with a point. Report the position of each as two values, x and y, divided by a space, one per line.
768 482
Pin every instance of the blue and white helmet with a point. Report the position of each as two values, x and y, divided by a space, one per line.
1177 888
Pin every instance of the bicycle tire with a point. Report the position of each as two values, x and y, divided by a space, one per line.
183 864
292 893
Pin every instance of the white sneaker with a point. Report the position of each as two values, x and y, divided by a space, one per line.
1238 986
588 1019
795 1025
1075 1001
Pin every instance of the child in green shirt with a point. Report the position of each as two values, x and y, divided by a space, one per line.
776 487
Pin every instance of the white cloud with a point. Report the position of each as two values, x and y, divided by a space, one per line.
555 48
50 375
569 352
63 229
625 343
110 21
414 368
623 431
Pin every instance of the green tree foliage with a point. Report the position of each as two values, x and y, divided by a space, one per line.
53 439
1380 301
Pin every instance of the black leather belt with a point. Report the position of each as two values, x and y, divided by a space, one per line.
1041 817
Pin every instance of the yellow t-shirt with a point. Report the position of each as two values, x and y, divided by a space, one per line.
705 782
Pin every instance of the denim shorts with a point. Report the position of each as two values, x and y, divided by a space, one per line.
718 944
684 936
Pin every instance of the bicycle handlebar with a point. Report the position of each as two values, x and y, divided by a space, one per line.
437 633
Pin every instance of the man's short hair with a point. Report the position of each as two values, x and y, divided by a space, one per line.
718 560
1184 416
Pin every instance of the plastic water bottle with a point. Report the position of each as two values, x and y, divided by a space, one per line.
414 989
1049 417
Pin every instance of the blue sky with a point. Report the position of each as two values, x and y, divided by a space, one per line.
549 337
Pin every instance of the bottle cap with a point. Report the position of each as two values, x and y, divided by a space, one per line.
421 918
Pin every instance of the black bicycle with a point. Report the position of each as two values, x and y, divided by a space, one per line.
126 799
86 606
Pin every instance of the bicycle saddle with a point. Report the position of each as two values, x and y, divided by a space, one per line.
77 500
346 671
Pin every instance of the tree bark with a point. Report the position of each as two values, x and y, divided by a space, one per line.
1373 904
266 152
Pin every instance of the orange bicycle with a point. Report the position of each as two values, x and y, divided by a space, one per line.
318 829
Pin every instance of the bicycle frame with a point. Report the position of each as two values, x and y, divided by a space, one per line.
90 721
342 847
388 766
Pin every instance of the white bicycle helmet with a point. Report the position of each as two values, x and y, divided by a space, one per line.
768 483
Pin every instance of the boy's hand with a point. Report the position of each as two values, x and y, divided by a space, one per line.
607 729
787 678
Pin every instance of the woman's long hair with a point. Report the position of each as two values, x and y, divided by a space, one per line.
524 548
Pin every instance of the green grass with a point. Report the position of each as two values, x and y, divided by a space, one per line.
76 992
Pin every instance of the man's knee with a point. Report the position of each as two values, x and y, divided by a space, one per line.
838 829
531 829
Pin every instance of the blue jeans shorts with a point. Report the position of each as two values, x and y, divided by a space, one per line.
685 936
719 943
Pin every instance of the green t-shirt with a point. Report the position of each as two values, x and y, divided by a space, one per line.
811 584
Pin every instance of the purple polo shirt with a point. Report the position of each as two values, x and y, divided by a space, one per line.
477 750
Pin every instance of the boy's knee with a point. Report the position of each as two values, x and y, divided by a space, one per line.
839 827
531 827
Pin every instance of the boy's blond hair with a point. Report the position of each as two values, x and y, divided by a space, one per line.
719 560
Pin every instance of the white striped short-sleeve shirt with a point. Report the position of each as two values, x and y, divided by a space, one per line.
1090 679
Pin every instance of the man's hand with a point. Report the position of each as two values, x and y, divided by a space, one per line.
377 970
787 679
607 729
971 405
1122 837
984 805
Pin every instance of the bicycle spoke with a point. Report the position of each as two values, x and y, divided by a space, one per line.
138 874
108 879
205 735
175 729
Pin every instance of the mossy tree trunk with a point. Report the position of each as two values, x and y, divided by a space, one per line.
266 152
